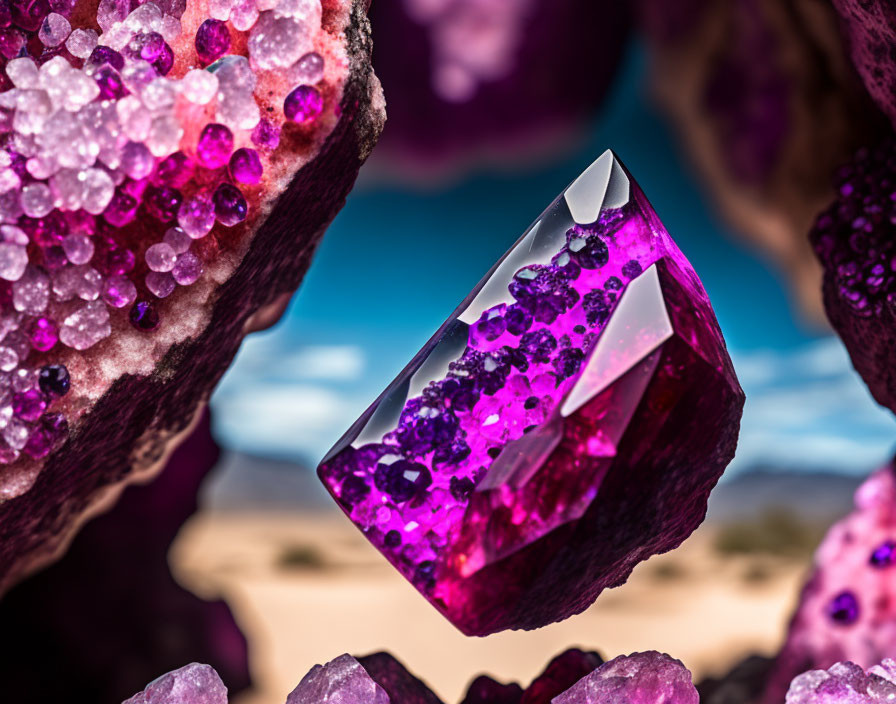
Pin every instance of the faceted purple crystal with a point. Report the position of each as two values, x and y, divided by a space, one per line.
641 678
303 104
245 166
512 472
215 145
193 684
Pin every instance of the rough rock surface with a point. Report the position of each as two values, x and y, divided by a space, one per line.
122 433
767 106
114 588
870 29
854 242
847 610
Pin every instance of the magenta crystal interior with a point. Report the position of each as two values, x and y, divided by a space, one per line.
566 422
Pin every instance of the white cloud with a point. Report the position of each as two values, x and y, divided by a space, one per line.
807 408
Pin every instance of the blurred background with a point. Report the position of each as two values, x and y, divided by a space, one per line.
417 233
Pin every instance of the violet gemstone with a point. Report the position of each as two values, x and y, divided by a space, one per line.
512 472
230 205
215 145
144 316
245 166
212 40
303 104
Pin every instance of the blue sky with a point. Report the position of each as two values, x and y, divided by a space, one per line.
396 261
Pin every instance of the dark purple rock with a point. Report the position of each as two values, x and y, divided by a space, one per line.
854 242
109 617
401 686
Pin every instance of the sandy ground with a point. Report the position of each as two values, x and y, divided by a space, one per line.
339 595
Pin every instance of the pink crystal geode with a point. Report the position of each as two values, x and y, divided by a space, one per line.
568 420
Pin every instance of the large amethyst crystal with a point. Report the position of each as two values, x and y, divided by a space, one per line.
566 422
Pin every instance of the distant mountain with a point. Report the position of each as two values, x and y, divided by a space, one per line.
817 495
246 482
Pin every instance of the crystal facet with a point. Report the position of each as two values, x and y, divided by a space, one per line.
567 421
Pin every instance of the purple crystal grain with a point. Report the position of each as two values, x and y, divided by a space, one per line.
191 684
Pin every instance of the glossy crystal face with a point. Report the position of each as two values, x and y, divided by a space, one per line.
499 434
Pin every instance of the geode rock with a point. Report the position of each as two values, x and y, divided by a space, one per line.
854 242
847 609
845 683
108 616
767 105
472 81
566 422
152 209
870 29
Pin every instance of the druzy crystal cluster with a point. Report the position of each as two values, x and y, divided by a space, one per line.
845 683
129 152
573 677
567 421
846 611
854 241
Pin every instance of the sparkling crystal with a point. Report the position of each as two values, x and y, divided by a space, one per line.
31 293
160 257
212 40
230 205
178 240
193 684
119 291
341 680
136 160
307 12
845 683
160 284
504 459
245 166
37 200
81 43
308 70
86 326
278 41
78 248
244 15
187 270
641 678
303 104
196 216
13 260
144 316
43 334
23 72
55 30
215 146
199 86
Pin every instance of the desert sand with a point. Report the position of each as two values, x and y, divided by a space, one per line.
307 587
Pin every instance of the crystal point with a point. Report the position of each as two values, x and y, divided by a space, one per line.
566 422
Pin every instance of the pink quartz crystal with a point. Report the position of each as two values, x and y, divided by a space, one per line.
565 423
846 611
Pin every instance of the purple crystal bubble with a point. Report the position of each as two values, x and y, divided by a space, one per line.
492 470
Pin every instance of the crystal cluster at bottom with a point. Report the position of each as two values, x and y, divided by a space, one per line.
568 420
574 677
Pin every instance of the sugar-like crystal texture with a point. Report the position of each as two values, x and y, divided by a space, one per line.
847 609
845 683
341 680
566 422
